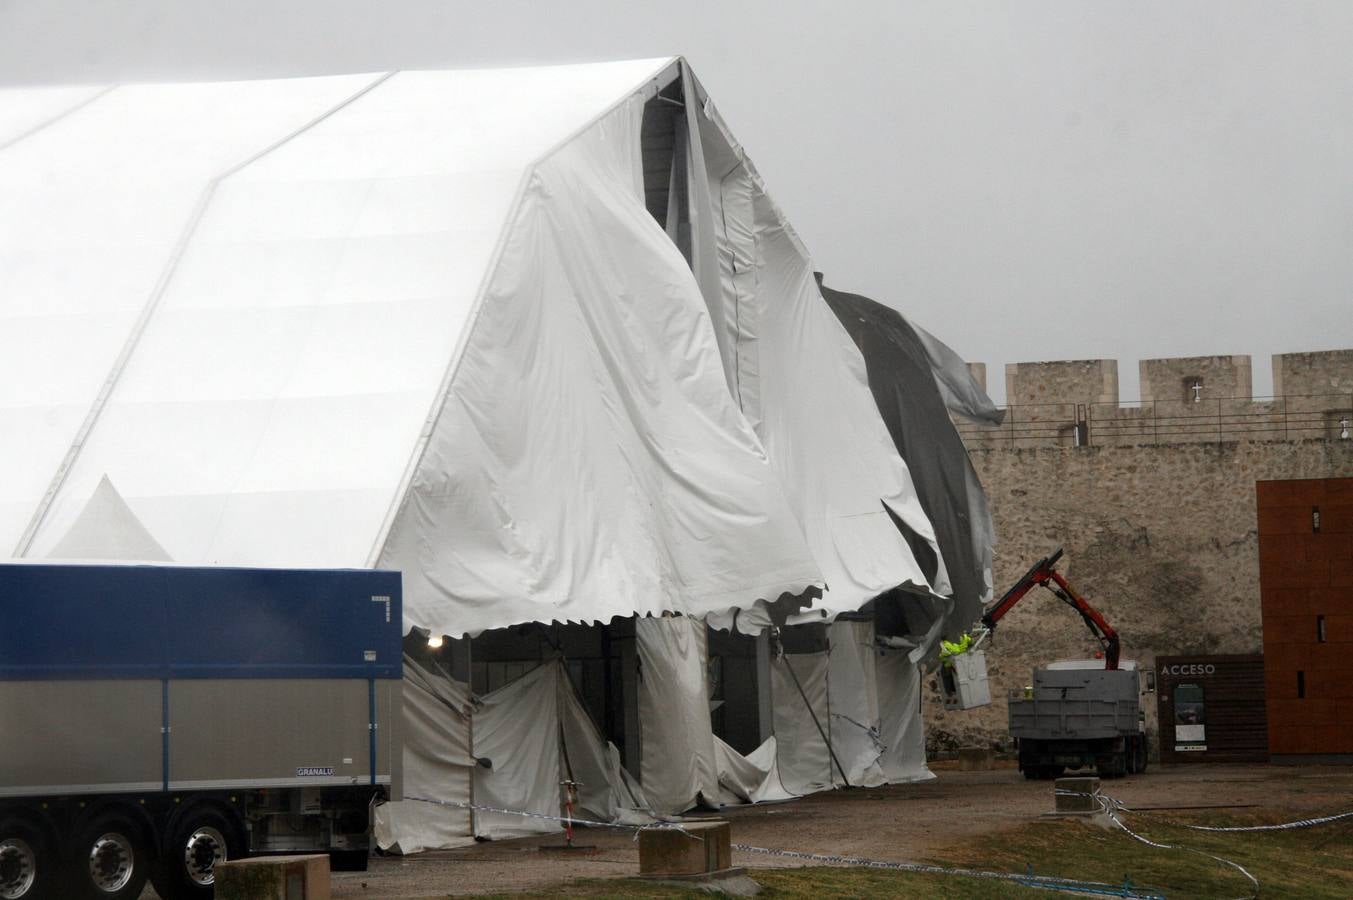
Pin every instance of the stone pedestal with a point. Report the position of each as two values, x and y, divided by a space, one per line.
1076 796
976 759
703 849
273 878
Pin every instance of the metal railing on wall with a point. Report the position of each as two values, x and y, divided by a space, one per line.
1327 417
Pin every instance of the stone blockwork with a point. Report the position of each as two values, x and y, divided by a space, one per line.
1066 381
1313 374
1227 377
1161 538
1061 404
979 373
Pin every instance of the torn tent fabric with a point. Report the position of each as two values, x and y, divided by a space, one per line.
904 386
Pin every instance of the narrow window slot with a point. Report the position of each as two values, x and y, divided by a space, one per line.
1301 685
1315 520
1320 629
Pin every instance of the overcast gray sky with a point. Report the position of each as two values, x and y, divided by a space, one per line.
1036 180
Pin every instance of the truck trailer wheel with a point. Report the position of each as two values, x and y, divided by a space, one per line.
109 859
1140 755
28 864
197 841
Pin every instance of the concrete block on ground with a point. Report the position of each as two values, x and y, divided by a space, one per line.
976 759
273 878
701 848
1077 795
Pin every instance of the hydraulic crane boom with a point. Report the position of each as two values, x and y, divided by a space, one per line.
1045 573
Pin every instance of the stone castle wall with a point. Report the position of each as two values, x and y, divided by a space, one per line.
1160 536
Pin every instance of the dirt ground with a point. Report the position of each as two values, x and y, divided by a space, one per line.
917 822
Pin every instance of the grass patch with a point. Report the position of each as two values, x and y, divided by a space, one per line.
1312 864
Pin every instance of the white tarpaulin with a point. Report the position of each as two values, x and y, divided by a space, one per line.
899 698
680 767
607 792
594 311
516 728
437 766
799 695
534 734
754 778
853 697
865 699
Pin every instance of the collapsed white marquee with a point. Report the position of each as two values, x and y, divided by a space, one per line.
427 321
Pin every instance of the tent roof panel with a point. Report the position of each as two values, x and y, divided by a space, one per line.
92 207
313 250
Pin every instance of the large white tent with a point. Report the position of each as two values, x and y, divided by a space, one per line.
440 322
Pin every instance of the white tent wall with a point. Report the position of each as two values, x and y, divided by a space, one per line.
516 728
680 767
533 733
607 792
853 698
438 765
799 704
863 697
901 729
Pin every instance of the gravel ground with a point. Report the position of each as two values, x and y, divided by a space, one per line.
916 822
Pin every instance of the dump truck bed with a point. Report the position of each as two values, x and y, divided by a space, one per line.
1076 704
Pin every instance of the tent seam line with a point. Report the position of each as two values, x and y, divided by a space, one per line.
47 123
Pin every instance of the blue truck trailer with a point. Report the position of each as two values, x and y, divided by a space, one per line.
155 720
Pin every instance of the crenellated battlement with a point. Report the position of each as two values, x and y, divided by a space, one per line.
1193 399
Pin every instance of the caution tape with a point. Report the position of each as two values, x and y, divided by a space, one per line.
1280 826
1277 826
1114 809
1110 807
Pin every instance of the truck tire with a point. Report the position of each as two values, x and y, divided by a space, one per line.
1141 754
197 839
348 860
1112 765
28 862
109 859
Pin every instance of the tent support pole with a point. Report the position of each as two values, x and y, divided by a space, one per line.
826 740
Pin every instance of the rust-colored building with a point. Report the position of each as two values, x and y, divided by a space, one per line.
1306 589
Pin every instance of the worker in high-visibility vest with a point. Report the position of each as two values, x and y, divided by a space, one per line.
950 649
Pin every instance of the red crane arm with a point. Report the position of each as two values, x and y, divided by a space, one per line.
1043 572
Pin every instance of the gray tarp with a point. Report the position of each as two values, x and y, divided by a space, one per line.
906 371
